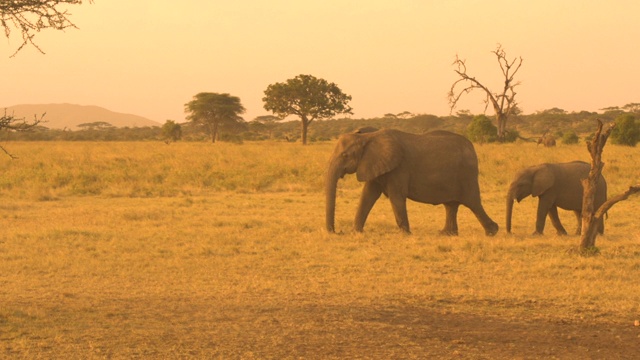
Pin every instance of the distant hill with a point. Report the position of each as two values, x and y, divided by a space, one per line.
60 116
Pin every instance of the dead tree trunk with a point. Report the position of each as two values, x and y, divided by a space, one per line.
589 221
591 216
503 103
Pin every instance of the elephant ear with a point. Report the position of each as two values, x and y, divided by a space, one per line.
543 179
381 154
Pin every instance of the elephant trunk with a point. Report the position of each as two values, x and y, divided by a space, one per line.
331 186
510 199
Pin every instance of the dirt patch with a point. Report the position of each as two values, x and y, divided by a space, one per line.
415 332
174 327
472 336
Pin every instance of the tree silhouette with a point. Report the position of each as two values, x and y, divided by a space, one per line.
213 111
503 103
308 97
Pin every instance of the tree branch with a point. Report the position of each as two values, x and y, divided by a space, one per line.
475 84
10 123
498 101
612 201
13 157
31 16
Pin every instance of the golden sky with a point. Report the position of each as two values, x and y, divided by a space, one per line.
149 57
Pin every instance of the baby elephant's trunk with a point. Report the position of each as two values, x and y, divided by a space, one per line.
330 192
510 200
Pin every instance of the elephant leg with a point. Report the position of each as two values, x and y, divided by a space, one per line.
490 226
471 199
579 221
370 194
555 220
399 206
451 220
600 223
543 210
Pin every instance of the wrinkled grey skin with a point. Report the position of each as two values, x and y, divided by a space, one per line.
434 168
556 186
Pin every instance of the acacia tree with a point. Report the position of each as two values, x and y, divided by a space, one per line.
29 17
632 107
213 111
503 102
309 98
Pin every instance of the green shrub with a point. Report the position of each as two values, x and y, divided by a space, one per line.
481 130
626 132
511 136
171 131
570 138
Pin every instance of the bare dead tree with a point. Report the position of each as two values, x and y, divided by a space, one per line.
10 123
503 103
31 16
591 216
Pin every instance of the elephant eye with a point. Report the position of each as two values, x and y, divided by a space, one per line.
344 154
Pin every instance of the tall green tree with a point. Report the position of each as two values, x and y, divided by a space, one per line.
214 111
307 97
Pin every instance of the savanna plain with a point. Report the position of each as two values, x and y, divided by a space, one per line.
197 250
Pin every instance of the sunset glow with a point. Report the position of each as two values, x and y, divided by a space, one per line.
149 57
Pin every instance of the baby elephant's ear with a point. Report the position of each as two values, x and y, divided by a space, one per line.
543 180
381 154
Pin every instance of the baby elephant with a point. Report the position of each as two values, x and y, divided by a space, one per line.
556 186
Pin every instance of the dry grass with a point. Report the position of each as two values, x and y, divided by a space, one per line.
199 251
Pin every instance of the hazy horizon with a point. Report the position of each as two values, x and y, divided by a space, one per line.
149 58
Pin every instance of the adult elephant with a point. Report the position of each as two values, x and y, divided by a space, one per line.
556 186
434 168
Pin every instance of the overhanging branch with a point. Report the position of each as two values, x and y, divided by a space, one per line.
31 16
612 201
